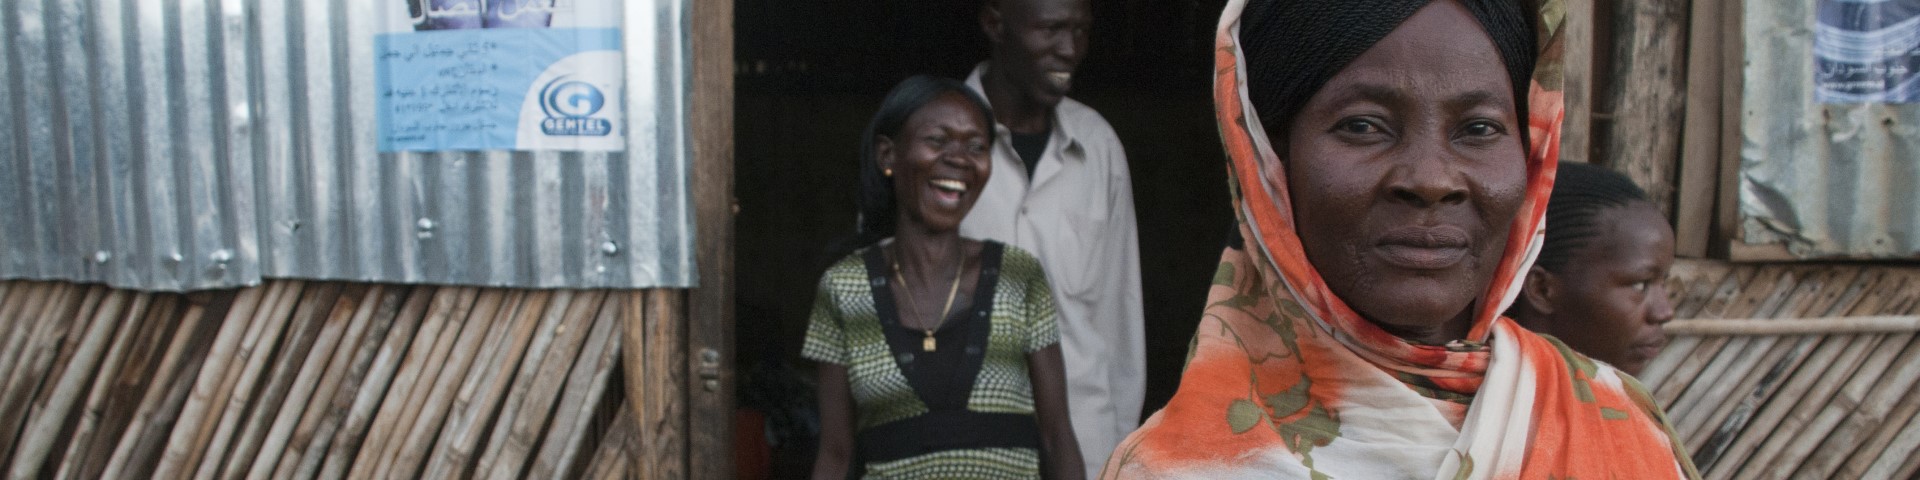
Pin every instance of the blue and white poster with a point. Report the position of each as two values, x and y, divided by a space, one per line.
1867 51
500 75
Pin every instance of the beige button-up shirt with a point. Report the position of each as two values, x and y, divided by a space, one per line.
1076 215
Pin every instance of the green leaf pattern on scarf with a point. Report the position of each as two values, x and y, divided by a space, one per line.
1466 466
1224 275
1579 369
1242 415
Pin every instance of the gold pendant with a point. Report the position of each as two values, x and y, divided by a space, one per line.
927 344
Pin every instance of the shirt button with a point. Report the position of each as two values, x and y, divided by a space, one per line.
1023 210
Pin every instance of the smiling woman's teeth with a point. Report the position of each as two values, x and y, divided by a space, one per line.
1060 78
949 185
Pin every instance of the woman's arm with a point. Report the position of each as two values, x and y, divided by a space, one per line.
836 424
1060 452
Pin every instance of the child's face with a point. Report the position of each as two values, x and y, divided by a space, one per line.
1613 296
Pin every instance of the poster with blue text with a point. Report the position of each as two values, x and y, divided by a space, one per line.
500 75
1867 51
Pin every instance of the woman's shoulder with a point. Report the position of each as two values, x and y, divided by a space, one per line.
1018 267
854 260
850 267
1593 368
1015 259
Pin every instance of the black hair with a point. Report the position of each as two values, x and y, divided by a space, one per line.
1293 47
875 199
1580 192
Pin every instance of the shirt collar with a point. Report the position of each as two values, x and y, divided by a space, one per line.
1070 141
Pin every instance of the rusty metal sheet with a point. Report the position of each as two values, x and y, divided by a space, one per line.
1826 180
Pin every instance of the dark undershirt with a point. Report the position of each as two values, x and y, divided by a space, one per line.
1031 146
943 378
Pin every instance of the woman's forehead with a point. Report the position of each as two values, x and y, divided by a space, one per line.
947 110
1441 37
1633 236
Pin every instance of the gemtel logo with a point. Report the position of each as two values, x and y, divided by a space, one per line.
570 105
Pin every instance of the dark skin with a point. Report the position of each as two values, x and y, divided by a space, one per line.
1037 45
943 145
1405 172
1609 300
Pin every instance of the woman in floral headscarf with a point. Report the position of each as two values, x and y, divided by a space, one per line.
1388 198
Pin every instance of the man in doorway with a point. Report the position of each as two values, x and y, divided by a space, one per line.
1060 189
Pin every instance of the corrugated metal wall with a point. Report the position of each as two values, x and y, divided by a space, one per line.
1826 180
191 144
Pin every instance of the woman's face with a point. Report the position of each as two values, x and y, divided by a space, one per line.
940 162
1610 300
1406 170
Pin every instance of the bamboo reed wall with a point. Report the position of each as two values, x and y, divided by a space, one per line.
1824 404
312 380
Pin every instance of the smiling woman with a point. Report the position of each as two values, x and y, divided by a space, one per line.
1388 199
939 356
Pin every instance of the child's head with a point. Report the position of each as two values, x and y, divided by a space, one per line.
1599 284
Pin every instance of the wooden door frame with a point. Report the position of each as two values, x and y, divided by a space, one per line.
678 344
710 306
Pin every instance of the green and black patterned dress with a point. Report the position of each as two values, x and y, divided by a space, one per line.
964 411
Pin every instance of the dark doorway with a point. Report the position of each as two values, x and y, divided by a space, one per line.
810 74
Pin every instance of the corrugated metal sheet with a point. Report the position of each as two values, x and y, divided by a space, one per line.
1826 180
190 144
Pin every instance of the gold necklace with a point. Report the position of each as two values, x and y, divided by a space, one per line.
928 344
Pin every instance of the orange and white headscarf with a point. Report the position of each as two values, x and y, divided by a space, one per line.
1285 380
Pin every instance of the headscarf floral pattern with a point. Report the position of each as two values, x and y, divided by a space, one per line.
1284 380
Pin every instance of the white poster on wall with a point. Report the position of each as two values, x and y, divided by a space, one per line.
457 75
1867 51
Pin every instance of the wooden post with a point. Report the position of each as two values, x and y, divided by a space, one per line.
1726 213
51 415
126 362
1576 138
654 334
340 325
471 384
1644 96
1797 326
140 443
36 360
309 319
1753 295
691 332
587 382
1700 154
535 389
1859 425
427 353
413 334
710 306
1751 368
610 460
212 385
254 380
392 322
